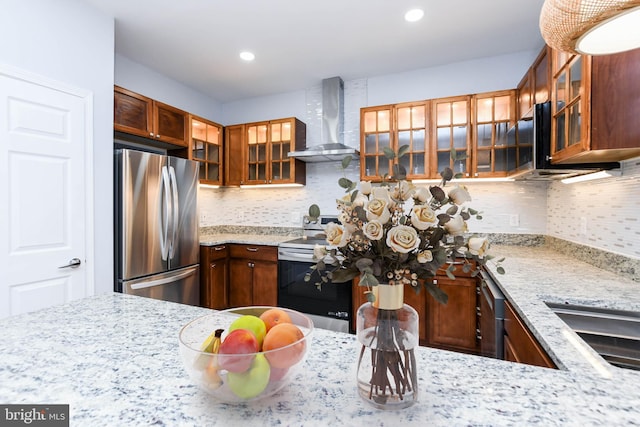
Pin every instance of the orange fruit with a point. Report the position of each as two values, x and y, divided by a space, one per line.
287 341
274 316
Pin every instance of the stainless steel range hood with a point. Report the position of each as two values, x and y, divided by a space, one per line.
332 149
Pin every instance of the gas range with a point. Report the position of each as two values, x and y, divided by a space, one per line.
312 234
330 306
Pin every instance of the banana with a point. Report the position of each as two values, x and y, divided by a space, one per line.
211 376
210 345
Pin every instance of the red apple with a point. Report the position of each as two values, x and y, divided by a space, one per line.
237 350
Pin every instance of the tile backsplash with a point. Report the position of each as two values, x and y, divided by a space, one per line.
601 213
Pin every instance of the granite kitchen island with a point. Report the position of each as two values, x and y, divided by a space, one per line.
114 359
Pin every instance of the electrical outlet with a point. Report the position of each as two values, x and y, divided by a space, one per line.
514 220
583 225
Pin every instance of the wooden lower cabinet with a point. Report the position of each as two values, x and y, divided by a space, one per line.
214 276
253 275
519 343
453 326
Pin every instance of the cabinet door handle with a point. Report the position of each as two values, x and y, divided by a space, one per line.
252 249
250 264
219 248
213 265
151 134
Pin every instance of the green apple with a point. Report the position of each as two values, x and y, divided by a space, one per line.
253 324
251 383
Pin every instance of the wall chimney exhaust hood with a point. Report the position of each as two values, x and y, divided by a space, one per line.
332 149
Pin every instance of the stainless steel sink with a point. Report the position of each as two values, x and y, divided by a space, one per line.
613 334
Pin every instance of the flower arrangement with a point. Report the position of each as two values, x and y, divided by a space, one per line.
398 233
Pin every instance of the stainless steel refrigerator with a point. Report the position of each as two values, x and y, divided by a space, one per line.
156 230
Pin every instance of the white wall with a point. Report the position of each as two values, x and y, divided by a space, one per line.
69 41
145 81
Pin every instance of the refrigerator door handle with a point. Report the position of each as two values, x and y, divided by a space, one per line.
175 212
164 280
164 211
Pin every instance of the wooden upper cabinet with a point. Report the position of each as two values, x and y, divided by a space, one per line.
451 132
205 146
541 74
525 95
266 145
393 126
132 112
138 115
234 155
375 136
493 114
594 106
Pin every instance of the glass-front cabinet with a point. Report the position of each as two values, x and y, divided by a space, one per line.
494 113
206 148
393 126
452 134
267 147
375 135
412 123
569 128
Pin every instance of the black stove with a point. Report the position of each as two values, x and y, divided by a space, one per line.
328 307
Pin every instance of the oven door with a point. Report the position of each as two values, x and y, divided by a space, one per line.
329 307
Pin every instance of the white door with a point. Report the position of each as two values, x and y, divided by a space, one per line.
45 132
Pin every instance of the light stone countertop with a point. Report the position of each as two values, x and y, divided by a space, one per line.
114 358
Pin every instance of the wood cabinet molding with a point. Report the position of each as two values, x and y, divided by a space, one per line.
519 343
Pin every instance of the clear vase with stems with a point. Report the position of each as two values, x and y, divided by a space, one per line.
388 331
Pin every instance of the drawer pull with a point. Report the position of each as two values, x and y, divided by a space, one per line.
220 248
252 249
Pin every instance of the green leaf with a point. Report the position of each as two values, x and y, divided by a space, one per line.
403 150
345 183
473 211
500 270
354 195
389 153
314 212
370 296
437 293
453 154
446 174
346 161
458 175
342 275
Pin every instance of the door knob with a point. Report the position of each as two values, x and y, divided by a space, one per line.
73 263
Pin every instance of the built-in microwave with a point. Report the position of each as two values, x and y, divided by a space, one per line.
529 150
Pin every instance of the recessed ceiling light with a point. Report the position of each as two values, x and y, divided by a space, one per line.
247 56
414 15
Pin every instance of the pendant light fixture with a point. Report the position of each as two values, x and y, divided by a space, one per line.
591 27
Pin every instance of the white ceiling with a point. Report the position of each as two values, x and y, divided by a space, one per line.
298 43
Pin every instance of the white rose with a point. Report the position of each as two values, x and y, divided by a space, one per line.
478 246
422 194
365 187
423 217
336 235
319 252
360 200
456 226
378 209
373 230
425 256
459 195
403 239
402 191
381 193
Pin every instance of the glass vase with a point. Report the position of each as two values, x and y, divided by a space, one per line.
388 331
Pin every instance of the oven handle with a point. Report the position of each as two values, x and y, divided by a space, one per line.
284 255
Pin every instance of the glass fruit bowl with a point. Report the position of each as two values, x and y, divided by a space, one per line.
255 353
